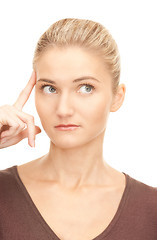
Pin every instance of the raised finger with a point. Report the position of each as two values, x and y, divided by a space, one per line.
25 93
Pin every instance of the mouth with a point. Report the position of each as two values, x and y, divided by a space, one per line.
68 127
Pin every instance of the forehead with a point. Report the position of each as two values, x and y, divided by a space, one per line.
70 62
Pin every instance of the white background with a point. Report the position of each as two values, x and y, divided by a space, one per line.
130 143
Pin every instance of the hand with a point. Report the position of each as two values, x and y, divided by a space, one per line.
13 121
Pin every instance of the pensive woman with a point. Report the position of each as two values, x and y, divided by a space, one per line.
72 193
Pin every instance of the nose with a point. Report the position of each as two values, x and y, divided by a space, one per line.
64 106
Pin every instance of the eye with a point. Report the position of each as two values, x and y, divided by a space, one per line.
47 88
87 87
50 89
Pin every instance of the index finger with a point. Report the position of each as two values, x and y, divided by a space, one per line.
25 93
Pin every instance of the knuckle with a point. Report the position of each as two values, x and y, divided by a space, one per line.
14 107
23 125
4 110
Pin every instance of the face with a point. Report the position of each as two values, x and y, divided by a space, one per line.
85 102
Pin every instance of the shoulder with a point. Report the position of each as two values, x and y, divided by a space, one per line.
6 174
142 189
144 197
7 180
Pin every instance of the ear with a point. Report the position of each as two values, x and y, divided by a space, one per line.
118 98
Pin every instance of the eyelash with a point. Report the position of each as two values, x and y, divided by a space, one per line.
85 84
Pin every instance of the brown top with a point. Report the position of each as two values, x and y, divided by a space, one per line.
135 219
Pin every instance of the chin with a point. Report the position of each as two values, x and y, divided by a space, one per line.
67 143
64 145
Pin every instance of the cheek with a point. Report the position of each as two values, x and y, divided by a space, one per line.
96 112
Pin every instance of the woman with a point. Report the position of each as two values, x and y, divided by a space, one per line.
71 193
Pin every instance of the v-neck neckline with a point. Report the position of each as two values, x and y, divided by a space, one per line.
48 229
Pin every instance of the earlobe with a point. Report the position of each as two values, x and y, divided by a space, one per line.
118 98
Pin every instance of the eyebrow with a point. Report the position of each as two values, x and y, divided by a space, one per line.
76 80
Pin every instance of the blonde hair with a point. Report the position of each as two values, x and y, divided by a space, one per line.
87 34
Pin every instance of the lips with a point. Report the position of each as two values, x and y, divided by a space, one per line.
69 125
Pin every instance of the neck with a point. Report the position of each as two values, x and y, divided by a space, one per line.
78 166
